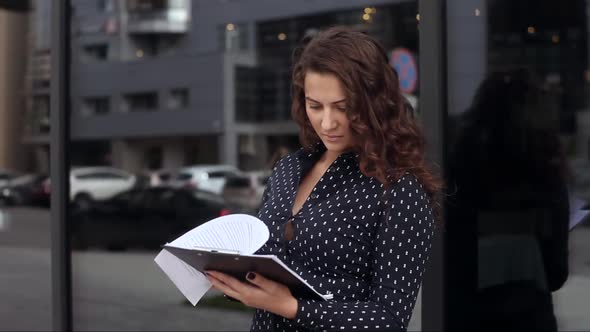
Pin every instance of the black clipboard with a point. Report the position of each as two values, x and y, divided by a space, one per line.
237 265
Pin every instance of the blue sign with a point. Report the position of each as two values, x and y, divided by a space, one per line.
402 60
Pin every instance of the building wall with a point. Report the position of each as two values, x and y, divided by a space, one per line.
197 63
13 26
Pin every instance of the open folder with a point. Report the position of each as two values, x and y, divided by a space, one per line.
238 266
226 244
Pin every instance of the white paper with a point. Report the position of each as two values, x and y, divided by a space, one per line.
235 232
191 283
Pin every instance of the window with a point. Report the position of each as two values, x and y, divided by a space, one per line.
94 53
154 157
153 45
105 5
184 176
237 182
95 106
164 176
140 102
220 174
101 176
40 115
146 5
233 37
179 98
5 176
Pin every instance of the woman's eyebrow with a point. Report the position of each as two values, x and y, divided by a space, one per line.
315 101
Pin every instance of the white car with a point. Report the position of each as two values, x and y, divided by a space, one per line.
98 183
5 177
204 177
246 189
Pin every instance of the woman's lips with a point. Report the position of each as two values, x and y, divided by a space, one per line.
332 138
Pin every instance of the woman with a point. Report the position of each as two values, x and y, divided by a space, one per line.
350 211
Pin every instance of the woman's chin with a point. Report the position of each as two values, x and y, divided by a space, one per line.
335 146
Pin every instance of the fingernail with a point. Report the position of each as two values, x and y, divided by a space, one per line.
250 276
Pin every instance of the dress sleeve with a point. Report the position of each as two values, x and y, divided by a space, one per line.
400 252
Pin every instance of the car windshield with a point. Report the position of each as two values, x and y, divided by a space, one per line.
238 182
184 176
221 174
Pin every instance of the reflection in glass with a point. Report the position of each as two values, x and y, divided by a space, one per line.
517 162
169 91
510 175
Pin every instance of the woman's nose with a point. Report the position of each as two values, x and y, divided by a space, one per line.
328 120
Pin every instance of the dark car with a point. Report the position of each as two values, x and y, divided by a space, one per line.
27 189
144 217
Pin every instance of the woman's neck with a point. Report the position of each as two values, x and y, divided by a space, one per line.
328 158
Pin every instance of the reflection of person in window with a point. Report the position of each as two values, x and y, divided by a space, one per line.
350 211
510 175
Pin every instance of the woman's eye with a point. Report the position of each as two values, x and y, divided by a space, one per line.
342 109
315 107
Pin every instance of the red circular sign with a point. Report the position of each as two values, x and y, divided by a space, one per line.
402 60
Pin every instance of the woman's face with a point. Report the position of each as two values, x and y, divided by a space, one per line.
325 105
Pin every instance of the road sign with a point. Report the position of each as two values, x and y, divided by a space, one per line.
403 61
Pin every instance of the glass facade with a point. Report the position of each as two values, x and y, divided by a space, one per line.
517 165
516 153
117 230
263 91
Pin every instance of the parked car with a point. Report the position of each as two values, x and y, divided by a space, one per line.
204 177
160 177
88 184
145 217
26 189
246 189
6 176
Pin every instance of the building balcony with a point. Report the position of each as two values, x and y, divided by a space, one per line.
158 17
39 71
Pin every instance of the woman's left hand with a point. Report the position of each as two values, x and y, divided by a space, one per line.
260 292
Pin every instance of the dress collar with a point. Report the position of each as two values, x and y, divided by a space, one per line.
314 152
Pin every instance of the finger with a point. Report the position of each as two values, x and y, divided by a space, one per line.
216 280
228 280
217 284
261 281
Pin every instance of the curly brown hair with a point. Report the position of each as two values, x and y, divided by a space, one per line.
387 138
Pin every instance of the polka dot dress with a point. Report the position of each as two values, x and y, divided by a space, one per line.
352 238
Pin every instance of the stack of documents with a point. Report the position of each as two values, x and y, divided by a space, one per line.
226 244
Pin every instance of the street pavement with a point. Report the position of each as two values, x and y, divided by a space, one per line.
116 291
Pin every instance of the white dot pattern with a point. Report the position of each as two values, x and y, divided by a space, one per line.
365 246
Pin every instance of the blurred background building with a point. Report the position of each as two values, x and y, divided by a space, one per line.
163 84
36 127
13 51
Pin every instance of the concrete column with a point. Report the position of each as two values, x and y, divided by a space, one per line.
41 159
228 142
126 156
173 154
13 26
